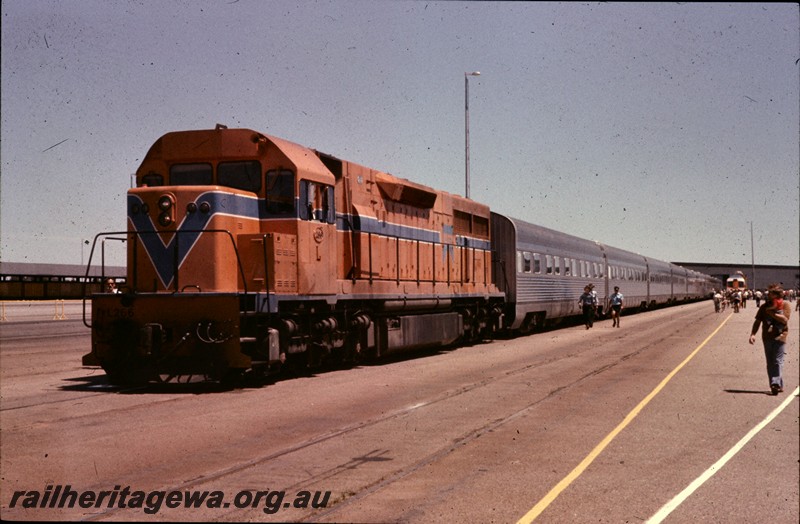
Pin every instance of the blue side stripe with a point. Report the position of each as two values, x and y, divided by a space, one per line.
161 254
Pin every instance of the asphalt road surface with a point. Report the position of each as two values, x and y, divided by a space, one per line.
668 417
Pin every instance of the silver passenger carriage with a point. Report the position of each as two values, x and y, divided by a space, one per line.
543 272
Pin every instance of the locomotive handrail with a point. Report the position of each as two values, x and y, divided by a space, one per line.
175 260
133 236
88 269
266 273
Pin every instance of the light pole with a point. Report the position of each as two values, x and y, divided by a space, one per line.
752 257
466 127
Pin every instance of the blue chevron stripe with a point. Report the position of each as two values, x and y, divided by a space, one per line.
162 255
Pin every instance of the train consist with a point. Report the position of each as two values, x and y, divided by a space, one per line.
247 251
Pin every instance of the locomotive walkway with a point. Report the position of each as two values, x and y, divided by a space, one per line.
668 417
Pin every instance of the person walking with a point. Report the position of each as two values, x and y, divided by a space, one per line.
588 303
773 319
616 303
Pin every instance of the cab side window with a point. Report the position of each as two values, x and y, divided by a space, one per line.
317 202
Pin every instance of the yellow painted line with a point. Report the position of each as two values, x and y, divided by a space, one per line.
585 463
670 506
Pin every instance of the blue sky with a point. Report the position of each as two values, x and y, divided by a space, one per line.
664 129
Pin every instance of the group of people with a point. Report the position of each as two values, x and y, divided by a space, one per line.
588 303
772 318
737 298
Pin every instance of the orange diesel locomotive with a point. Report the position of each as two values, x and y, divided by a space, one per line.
246 251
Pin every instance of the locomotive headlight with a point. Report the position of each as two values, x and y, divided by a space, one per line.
191 207
165 219
164 203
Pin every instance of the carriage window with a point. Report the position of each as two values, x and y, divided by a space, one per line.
549 264
567 268
526 262
280 193
537 263
557 264
191 175
240 175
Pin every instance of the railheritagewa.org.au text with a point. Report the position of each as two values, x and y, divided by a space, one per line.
151 502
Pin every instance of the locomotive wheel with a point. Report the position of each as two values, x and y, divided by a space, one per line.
126 375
